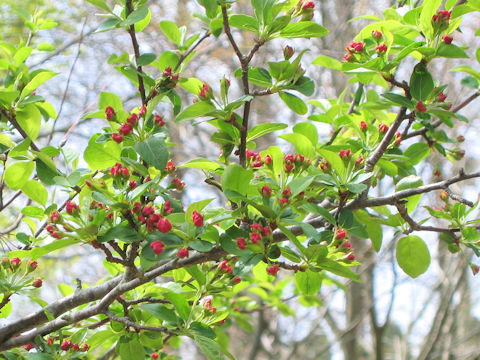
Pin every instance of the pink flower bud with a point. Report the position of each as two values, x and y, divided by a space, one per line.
377 34
420 107
382 48
447 39
340 234
132 119
118 138
197 218
273 270
266 191
363 125
241 243
255 237
182 253
164 225
159 120
126 129
109 113
157 247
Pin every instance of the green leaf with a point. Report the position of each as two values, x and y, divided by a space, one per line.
181 304
35 191
421 82
100 156
136 16
258 76
37 80
171 31
317 210
451 51
409 182
160 312
198 206
154 151
209 347
142 24
417 152
210 7
299 184
244 22
413 255
398 99
302 144
337 268
124 233
263 129
202 163
303 29
308 282
246 263
334 160
308 130
468 70
130 349
29 118
17 174
102 4
295 104
107 25
428 10
237 179
328 62
146 59
199 109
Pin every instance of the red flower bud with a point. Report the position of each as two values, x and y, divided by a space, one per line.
32 265
132 120
197 218
349 57
345 153
71 208
283 201
287 192
157 247
76 347
167 72
15 262
148 210
383 128
256 227
27 347
205 92
132 184
241 243
266 231
382 48
289 168
164 225
55 217
441 97
159 120
49 341
109 113
118 138
363 125
182 253
288 52
170 167
273 270
377 34
236 280
225 266
359 161
178 184
126 129
255 237
420 107
125 172
447 39
308 5
266 191
347 245
356 46
350 257
267 160
66 345
154 356
136 207
340 234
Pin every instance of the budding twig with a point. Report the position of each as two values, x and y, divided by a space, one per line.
136 50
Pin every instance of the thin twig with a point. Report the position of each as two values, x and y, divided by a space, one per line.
136 50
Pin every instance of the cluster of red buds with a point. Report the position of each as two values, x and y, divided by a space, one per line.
177 184
295 163
355 47
170 167
119 171
148 216
255 159
207 304
383 128
441 19
420 107
169 78
398 139
226 267
304 8
13 265
341 242
324 165
205 92
273 269
67 345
